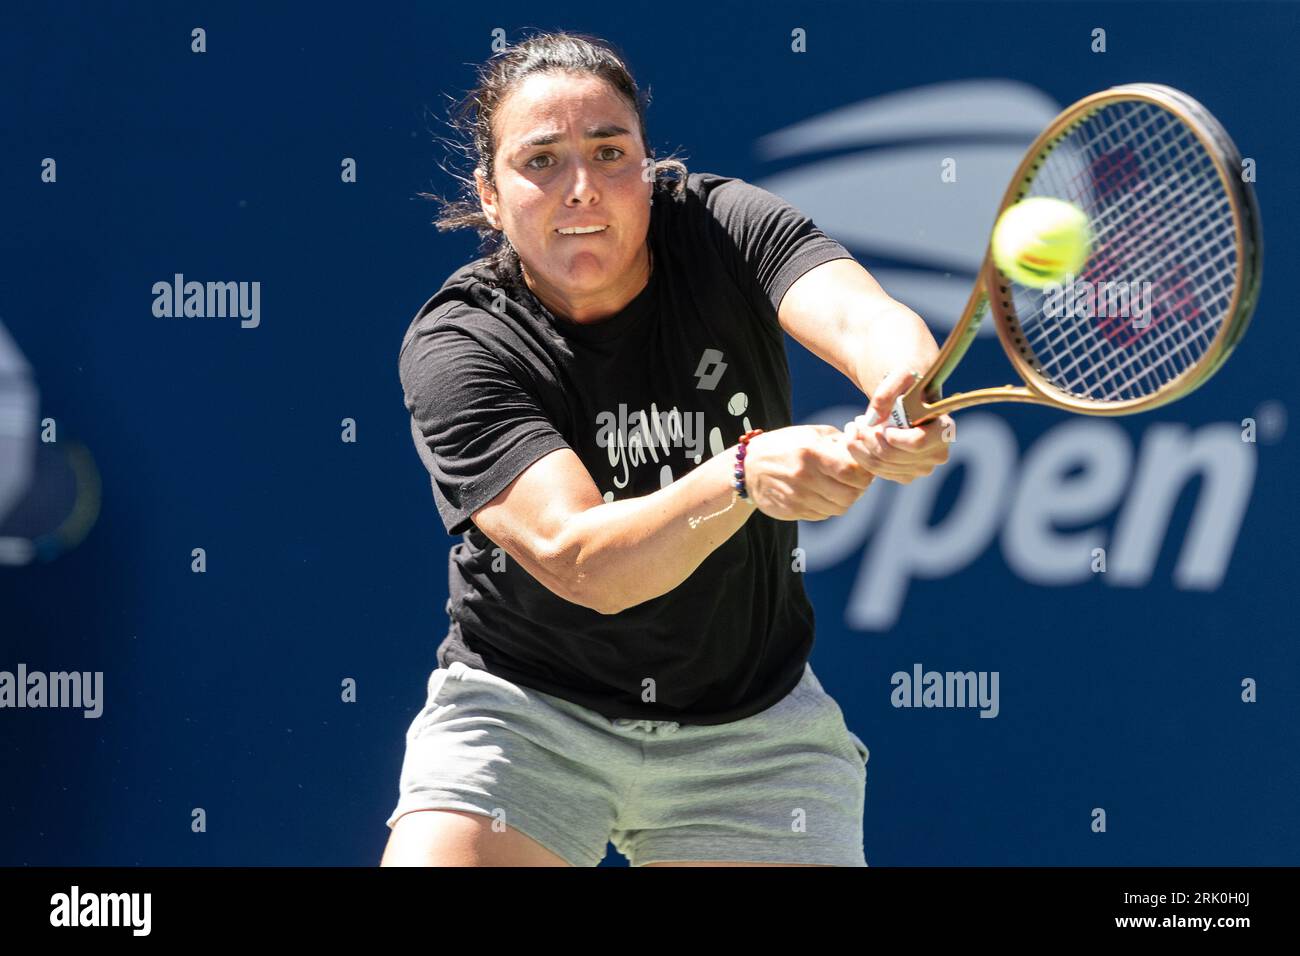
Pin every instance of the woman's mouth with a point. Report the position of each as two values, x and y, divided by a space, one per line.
581 230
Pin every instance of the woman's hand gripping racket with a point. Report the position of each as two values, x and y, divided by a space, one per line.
1171 276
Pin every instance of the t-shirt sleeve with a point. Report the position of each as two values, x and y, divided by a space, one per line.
767 241
475 426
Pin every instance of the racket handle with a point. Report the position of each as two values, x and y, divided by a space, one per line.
897 417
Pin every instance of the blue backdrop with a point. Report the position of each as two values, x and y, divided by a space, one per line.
326 561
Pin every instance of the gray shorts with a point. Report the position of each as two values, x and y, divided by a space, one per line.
786 785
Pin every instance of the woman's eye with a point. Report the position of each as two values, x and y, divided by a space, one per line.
604 153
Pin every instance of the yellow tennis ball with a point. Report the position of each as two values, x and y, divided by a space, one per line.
1039 241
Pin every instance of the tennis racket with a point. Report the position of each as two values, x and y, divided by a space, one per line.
1162 187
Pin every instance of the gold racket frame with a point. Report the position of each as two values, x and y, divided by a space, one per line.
993 289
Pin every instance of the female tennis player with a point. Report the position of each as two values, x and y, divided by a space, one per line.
603 404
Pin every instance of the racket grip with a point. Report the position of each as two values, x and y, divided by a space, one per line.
897 417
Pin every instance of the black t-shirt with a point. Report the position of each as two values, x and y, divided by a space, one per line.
494 381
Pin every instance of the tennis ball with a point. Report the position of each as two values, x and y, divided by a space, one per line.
1039 241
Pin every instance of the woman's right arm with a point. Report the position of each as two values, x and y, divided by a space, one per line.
613 555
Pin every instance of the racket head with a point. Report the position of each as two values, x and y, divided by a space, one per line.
1160 181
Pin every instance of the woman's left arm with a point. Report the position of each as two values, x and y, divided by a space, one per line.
841 314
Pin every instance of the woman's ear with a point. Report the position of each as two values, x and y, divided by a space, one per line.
487 199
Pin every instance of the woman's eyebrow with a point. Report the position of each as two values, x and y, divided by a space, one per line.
605 131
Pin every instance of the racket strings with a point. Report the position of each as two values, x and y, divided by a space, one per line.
1112 249
1116 173
1162 272
1206 188
1115 326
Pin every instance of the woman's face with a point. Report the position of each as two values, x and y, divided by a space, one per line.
569 154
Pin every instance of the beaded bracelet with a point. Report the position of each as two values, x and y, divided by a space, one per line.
738 478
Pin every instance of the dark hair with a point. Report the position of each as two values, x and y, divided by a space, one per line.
473 119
